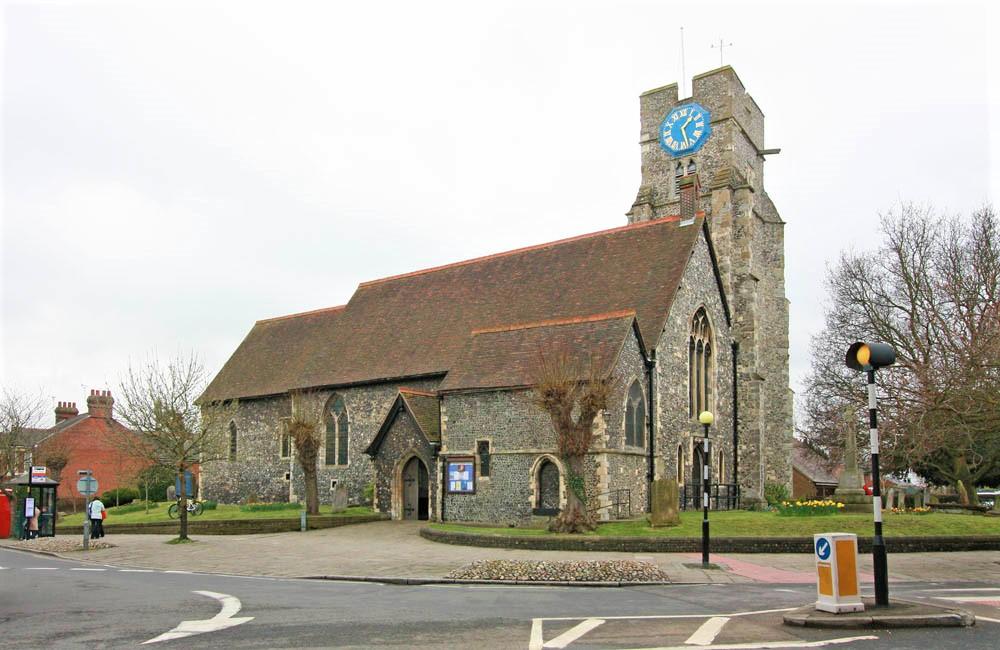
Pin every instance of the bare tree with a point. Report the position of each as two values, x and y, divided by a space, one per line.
303 429
157 401
932 291
573 393
19 412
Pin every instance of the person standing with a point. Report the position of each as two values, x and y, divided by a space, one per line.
96 515
33 523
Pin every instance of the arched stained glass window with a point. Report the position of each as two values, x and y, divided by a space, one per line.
338 431
635 417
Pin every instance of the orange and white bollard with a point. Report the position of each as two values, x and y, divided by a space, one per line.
838 588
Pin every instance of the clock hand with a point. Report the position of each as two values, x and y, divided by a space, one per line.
684 131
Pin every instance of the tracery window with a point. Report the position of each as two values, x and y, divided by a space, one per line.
701 368
635 417
338 431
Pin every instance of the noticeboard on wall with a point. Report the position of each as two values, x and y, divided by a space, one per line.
461 476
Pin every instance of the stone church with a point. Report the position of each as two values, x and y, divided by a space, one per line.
423 381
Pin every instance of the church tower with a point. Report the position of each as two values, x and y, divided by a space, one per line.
718 134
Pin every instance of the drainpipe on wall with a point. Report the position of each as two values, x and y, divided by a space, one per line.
736 411
651 475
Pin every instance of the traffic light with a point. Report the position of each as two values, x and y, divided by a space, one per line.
869 356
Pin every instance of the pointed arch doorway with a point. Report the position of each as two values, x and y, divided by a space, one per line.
416 497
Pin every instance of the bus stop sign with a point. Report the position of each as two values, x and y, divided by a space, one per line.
87 486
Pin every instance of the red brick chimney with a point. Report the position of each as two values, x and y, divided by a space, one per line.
690 188
99 404
65 411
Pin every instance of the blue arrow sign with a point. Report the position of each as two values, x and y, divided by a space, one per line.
823 548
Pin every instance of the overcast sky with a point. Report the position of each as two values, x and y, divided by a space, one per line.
173 172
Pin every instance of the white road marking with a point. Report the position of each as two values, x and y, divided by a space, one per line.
790 591
774 644
41 568
87 569
969 599
574 633
710 629
224 619
136 570
183 572
535 642
991 620
967 589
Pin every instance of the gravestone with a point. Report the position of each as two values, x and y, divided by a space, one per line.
171 493
850 488
665 503
891 497
338 498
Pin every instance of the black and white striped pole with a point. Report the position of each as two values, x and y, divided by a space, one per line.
706 419
869 357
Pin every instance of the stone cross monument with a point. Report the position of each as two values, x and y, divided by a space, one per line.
850 488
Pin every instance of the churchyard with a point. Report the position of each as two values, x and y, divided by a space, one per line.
738 523
136 514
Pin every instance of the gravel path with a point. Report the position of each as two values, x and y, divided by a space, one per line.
562 571
56 544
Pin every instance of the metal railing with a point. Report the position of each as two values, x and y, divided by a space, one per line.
619 504
721 496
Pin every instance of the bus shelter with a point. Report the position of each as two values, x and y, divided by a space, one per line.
38 493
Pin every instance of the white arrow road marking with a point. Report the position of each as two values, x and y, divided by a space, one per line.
710 629
574 633
230 606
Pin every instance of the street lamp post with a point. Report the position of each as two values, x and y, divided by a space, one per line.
868 357
706 419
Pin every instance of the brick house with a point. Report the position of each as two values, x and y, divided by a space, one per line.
89 439
423 380
813 475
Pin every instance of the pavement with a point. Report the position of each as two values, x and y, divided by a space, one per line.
51 602
394 550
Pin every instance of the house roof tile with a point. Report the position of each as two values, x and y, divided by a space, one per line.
418 324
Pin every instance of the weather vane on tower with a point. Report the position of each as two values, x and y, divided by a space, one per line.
722 45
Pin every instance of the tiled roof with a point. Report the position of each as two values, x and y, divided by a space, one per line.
418 324
507 357
270 358
813 466
425 409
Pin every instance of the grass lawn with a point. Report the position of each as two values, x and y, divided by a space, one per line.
770 524
221 512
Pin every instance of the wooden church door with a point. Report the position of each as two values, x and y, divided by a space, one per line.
416 500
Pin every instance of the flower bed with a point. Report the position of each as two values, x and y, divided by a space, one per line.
813 508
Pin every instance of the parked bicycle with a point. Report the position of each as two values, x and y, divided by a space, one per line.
193 507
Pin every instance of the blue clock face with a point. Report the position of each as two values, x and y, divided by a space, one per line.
685 129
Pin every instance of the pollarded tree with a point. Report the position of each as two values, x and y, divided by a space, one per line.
158 402
572 392
303 430
932 291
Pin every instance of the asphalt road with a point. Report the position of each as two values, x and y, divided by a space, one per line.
49 602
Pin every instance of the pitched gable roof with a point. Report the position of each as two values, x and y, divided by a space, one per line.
419 323
507 357
422 406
